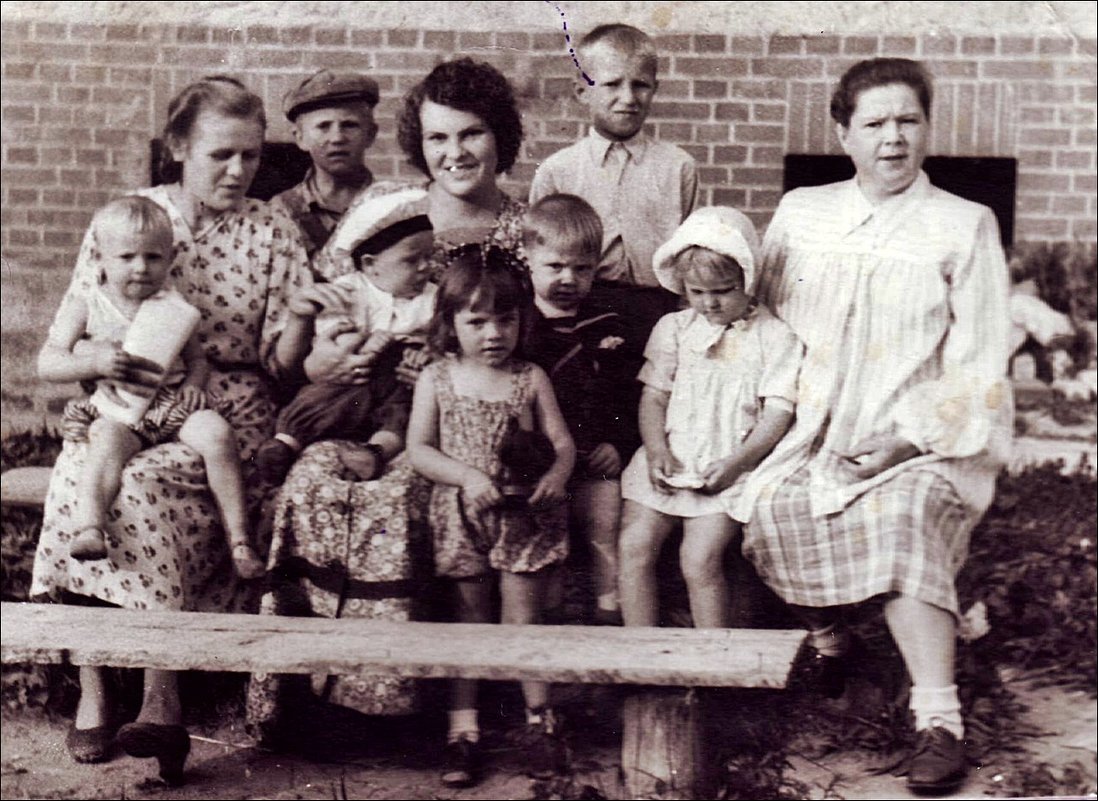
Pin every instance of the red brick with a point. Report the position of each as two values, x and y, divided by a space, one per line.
899 45
336 59
1087 94
261 34
61 239
1077 116
58 197
543 41
681 110
822 45
14 29
1085 230
1088 47
768 112
1043 182
227 36
675 132
1085 183
474 39
92 198
23 236
939 45
951 68
1035 158
130 54
1054 46
123 33
192 34
673 43
735 112
707 89
30 176
330 36
18 113
560 129
115 137
710 43
710 67
1016 45
713 175
1069 204
142 76
22 155
558 87
767 176
1046 137
1032 70
420 62
73 94
49 30
402 37
91 157
268 57
766 154
759 133
700 153
1032 92
1034 204
1037 228
1086 136
787 68
19 71
860 45
978 45
1085 71
729 154
723 196
57 51
513 41
297 36
55 114
746 45
107 94
1037 114
87 74
785 45
1076 159
764 198
55 73
760 90
712 133
674 88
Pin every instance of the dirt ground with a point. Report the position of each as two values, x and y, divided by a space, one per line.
394 764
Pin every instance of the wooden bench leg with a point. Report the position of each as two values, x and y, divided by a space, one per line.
663 750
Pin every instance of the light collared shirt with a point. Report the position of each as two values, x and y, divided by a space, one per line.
307 207
371 309
642 189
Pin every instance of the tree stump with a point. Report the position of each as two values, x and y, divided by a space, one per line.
663 751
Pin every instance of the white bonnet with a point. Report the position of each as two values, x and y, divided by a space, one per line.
718 228
373 215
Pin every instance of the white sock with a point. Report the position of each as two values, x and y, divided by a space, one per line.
609 602
543 714
463 726
938 706
831 641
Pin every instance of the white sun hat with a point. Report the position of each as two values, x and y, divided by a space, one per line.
375 223
718 228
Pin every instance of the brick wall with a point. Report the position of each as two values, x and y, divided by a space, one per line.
80 103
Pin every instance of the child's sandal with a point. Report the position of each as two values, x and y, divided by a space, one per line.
246 562
88 544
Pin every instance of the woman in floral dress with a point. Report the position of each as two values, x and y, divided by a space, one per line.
237 261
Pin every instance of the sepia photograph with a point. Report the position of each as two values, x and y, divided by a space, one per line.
549 400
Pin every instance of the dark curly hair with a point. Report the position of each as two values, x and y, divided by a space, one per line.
467 85
485 278
875 72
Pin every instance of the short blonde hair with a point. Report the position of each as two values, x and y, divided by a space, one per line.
625 39
134 213
704 263
563 219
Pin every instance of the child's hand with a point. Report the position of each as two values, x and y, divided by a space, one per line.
376 343
604 461
550 489
192 397
111 362
480 493
660 467
311 301
722 474
412 364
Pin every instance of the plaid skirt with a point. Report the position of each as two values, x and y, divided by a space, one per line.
908 536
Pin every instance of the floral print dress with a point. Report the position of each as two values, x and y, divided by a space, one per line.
166 547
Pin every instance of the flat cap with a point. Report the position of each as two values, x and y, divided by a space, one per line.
328 88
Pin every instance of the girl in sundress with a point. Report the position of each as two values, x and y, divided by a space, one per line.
466 408
719 388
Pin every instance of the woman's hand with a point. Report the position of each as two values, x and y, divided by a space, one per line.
192 397
662 465
411 365
312 300
877 454
480 492
722 474
551 489
604 461
113 363
338 362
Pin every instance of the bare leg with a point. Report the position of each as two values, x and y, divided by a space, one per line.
110 446
160 701
643 532
522 595
93 709
474 605
704 542
927 638
596 507
209 434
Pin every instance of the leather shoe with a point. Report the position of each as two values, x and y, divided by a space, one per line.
818 674
461 763
937 765
90 745
170 744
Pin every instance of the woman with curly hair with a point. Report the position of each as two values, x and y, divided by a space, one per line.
349 528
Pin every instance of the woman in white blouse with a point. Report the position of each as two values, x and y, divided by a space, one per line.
899 292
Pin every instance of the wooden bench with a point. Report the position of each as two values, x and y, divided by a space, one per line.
663 743
24 486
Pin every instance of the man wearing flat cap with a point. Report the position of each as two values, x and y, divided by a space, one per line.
333 121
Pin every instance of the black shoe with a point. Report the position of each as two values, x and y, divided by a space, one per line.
169 744
273 460
544 752
461 762
819 674
937 765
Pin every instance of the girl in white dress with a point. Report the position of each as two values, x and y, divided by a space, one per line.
719 388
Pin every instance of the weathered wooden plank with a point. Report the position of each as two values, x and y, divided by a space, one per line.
24 486
46 633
